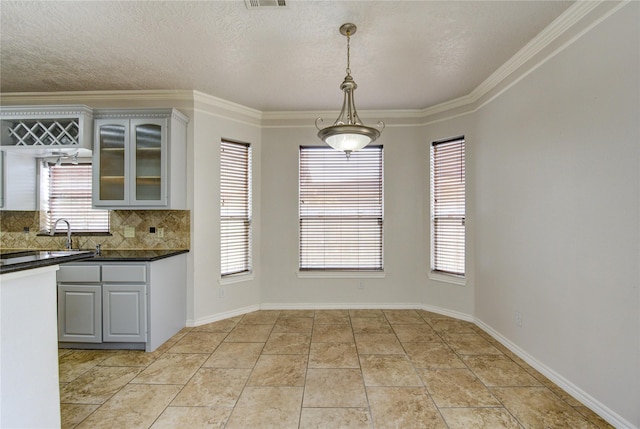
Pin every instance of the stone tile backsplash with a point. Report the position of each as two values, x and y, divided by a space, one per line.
176 225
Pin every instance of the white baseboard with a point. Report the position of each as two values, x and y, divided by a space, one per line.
331 306
221 316
451 313
339 306
579 394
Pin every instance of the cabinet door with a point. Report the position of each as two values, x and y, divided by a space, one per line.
19 181
124 313
149 163
111 162
79 313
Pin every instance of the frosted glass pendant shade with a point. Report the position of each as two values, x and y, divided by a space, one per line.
348 142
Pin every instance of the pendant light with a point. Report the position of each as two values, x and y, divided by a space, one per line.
348 133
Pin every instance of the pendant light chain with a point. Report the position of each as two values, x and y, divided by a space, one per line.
348 54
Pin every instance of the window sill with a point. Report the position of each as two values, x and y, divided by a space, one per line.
236 278
341 274
448 278
75 234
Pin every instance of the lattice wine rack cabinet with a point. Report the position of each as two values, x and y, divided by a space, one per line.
46 128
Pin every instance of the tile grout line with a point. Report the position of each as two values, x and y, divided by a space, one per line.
96 365
364 386
423 382
459 356
306 373
252 368
527 369
190 378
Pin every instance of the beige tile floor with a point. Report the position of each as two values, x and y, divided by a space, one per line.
317 369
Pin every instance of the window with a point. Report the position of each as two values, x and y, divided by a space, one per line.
448 206
235 208
341 209
65 192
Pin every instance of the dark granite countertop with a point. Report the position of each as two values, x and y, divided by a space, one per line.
14 260
25 260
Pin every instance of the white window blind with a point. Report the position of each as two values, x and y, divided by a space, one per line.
68 196
235 208
341 209
448 206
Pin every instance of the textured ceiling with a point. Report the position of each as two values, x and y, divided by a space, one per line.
405 54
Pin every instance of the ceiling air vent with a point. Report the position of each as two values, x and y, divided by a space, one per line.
260 4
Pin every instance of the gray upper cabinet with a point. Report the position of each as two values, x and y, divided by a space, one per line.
31 132
41 130
18 184
139 159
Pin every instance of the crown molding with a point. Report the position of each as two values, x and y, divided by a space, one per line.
89 96
58 111
554 31
306 119
579 18
577 13
369 114
574 14
227 106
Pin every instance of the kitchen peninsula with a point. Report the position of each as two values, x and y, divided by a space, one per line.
29 343
32 282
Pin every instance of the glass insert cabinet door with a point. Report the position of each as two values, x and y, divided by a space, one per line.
113 140
149 153
131 156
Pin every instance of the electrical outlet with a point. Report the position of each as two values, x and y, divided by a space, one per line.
518 319
129 232
221 292
360 285
152 230
160 232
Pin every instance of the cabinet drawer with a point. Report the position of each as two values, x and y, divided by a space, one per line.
124 273
79 273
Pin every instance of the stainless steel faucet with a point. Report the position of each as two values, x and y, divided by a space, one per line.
55 225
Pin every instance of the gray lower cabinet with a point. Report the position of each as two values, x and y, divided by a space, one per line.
111 310
121 304
80 313
124 316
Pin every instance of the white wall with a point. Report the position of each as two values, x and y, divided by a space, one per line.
557 214
454 298
209 299
404 258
